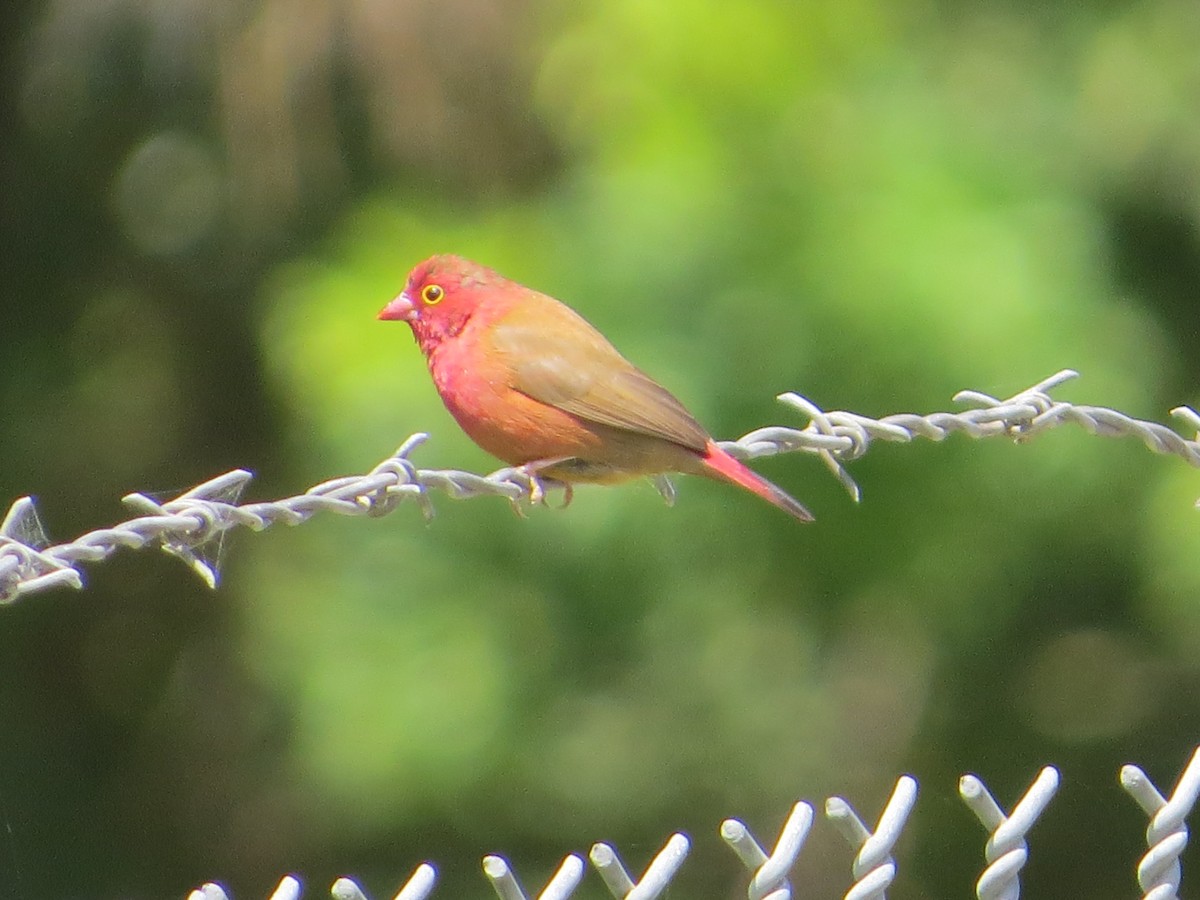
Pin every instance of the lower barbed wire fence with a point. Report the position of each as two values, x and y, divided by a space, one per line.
195 522
873 867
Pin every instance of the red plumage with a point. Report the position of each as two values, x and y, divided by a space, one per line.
533 383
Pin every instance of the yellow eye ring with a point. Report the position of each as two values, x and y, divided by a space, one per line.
432 293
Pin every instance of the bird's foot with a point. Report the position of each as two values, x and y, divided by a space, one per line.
568 494
536 485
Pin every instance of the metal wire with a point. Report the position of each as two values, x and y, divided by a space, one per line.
1006 850
191 524
561 886
289 888
770 872
1159 870
874 868
658 874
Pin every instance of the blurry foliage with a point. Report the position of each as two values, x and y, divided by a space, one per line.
873 204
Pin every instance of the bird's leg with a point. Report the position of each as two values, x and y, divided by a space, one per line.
529 472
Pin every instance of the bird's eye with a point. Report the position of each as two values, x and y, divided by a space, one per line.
432 293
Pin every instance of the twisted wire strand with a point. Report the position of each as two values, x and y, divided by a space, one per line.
874 868
1006 851
1159 871
189 525
770 872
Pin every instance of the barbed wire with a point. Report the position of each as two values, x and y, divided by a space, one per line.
192 525
873 867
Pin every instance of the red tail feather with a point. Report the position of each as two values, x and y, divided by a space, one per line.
721 465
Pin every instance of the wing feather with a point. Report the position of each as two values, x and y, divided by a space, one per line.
569 365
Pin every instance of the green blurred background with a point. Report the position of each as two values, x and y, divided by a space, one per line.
874 204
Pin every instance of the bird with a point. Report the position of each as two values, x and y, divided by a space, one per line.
534 384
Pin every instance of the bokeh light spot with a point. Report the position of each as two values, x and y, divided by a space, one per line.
1087 685
168 193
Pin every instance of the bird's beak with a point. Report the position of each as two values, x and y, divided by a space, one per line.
400 308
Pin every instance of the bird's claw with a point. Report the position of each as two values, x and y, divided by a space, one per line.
537 491
568 494
536 486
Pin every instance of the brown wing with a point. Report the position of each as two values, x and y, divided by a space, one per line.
558 358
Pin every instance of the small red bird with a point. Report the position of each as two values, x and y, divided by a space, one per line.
531 382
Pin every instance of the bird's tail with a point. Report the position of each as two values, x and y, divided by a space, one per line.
719 464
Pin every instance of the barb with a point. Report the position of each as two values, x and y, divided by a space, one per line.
658 874
289 888
1167 835
770 872
418 887
1006 850
874 869
561 886
199 518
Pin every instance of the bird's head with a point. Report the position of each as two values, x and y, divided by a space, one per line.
441 294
